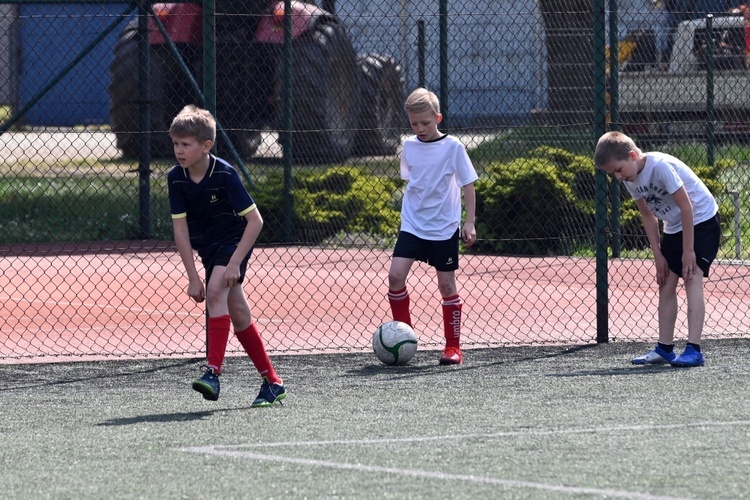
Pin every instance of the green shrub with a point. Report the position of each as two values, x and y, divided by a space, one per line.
340 199
541 204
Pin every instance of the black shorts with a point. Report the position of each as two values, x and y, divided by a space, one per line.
706 237
222 259
442 255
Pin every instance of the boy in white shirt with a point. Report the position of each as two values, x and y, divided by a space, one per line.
666 189
437 168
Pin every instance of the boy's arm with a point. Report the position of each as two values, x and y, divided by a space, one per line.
682 200
469 232
252 230
651 225
195 290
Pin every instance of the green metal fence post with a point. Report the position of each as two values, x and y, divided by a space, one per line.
288 149
420 53
144 125
600 126
614 123
710 114
209 55
444 92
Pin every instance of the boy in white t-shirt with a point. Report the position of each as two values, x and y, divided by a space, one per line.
437 169
666 189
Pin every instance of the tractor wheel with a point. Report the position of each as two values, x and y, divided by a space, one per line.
325 94
164 103
242 82
382 124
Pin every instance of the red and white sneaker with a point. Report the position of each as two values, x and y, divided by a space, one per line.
452 356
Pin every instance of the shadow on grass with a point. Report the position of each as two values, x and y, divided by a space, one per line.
634 370
86 372
410 371
167 417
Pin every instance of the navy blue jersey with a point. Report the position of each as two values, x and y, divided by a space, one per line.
214 207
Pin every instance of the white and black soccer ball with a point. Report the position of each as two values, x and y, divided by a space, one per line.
394 343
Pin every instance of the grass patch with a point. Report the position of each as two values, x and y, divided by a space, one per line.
518 142
66 208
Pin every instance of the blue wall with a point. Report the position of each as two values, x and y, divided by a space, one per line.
52 36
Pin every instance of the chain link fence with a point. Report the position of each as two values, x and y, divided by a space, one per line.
309 99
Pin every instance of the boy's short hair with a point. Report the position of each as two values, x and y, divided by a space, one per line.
422 100
193 121
613 146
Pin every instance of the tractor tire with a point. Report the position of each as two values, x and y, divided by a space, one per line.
164 100
383 122
325 94
242 85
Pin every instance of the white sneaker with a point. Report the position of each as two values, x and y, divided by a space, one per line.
656 357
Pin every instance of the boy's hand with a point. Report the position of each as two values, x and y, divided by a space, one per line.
231 275
196 291
469 233
662 269
688 264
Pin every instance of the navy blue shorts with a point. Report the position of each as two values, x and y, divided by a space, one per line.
706 237
222 259
442 255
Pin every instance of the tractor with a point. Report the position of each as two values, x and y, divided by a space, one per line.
343 104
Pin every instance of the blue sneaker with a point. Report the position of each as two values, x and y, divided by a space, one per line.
269 394
690 357
208 384
656 357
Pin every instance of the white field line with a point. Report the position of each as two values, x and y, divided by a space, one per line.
605 492
235 451
551 432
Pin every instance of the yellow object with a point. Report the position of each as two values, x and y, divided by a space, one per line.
625 49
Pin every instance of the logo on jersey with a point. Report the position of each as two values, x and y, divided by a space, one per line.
214 198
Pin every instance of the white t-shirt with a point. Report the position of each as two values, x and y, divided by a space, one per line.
435 171
661 176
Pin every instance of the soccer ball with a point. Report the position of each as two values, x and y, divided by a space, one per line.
394 343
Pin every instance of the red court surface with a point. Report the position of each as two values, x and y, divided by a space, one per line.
128 300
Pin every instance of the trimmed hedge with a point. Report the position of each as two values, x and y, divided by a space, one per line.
541 204
340 200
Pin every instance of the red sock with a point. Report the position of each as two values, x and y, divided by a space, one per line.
253 344
217 338
452 320
399 300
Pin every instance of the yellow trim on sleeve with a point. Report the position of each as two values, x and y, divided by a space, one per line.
247 210
179 216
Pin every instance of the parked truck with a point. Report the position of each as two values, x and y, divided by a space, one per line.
661 101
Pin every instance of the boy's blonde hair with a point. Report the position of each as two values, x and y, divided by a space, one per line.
193 121
422 100
613 146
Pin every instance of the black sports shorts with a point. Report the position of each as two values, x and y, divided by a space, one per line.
706 237
442 255
221 258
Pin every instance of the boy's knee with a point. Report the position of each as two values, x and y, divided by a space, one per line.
447 290
396 280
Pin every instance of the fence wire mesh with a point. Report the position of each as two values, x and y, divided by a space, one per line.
315 128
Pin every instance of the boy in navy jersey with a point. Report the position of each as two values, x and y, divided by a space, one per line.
437 169
213 214
666 189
